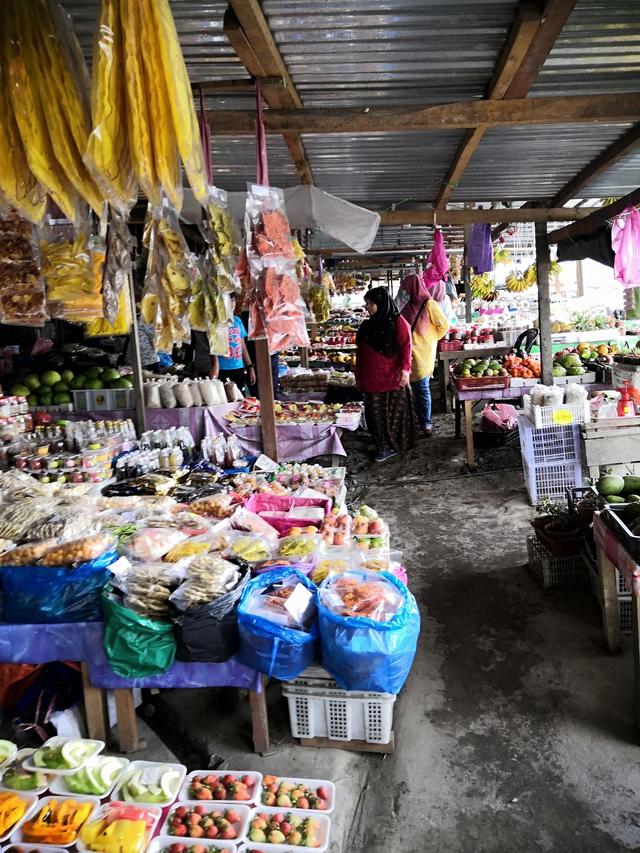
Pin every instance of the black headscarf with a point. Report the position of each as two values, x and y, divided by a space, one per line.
379 331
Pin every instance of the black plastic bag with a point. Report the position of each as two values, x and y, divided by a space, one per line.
209 633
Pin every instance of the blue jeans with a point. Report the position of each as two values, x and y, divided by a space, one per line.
422 398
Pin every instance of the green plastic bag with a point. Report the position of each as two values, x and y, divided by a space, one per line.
135 645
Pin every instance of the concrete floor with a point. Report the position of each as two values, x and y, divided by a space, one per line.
515 730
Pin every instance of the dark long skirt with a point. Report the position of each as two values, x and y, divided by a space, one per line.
391 419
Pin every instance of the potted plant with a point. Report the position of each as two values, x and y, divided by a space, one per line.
556 529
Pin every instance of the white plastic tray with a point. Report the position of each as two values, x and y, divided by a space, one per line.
11 755
324 829
22 754
31 800
141 765
255 792
16 838
33 848
102 810
98 746
60 787
314 784
244 813
261 847
164 842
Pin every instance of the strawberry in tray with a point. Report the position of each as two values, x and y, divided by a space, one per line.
290 795
227 787
284 829
199 822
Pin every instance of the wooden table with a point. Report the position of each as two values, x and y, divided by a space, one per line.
612 555
467 400
612 443
445 358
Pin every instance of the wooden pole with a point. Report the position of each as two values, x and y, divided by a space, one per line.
543 266
134 352
265 390
466 276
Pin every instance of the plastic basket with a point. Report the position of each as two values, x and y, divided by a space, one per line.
625 609
476 383
550 570
449 346
550 480
327 711
630 541
553 416
549 444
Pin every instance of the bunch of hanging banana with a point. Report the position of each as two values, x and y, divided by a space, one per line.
482 286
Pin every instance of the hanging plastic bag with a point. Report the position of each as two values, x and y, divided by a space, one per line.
369 626
625 241
208 633
136 646
268 643
22 289
43 594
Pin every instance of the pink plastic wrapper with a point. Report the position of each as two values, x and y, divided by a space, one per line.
273 507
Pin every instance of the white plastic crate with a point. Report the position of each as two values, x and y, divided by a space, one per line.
550 480
551 416
550 570
327 711
548 444
104 400
510 336
625 609
628 372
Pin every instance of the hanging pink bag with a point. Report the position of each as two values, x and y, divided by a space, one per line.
625 242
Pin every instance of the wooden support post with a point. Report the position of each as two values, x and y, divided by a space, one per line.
635 604
265 390
134 352
127 721
260 719
609 601
466 276
543 266
304 356
95 708
468 428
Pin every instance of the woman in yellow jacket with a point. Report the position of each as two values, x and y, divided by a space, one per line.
428 324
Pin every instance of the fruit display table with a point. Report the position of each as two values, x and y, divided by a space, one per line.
82 641
467 399
296 442
444 362
612 555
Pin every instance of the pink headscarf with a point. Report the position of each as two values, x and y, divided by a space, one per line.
438 292
415 288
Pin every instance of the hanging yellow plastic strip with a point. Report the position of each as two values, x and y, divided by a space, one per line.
28 111
165 146
185 120
108 155
140 135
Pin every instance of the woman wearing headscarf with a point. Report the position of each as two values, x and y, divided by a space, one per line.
383 368
428 324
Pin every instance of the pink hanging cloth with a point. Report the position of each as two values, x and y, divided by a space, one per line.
437 261
625 242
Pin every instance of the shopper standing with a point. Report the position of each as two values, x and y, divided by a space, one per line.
383 367
428 324
237 365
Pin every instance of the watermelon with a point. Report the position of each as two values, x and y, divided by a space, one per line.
611 484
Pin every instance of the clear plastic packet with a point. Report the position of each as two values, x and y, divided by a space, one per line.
148 586
219 537
250 547
219 228
336 560
150 544
361 594
84 550
266 223
215 506
17 518
72 265
26 555
207 577
167 395
152 399
22 290
277 311
183 396
248 522
283 601
121 324
196 394
107 155
117 267
302 546
209 396
187 549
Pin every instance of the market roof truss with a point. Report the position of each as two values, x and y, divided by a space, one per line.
575 109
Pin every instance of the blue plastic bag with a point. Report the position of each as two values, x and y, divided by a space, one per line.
363 653
267 646
44 594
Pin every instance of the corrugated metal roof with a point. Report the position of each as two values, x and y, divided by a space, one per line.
532 162
383 168
353 52
619 180
234 162
597 51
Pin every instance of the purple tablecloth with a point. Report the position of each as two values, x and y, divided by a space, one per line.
296 442
193 418
82 641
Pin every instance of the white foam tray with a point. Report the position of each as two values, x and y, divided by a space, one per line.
255 791
101 811
22 754
16 838
60 786
244 813
164 842
98 746
31 800
310 783
324 828
142 765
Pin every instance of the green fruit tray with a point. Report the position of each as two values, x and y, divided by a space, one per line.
612 517
473 383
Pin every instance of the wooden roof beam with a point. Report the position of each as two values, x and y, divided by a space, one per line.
248 32
467 216
623 146
596 218
237 87
520 39
575 109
